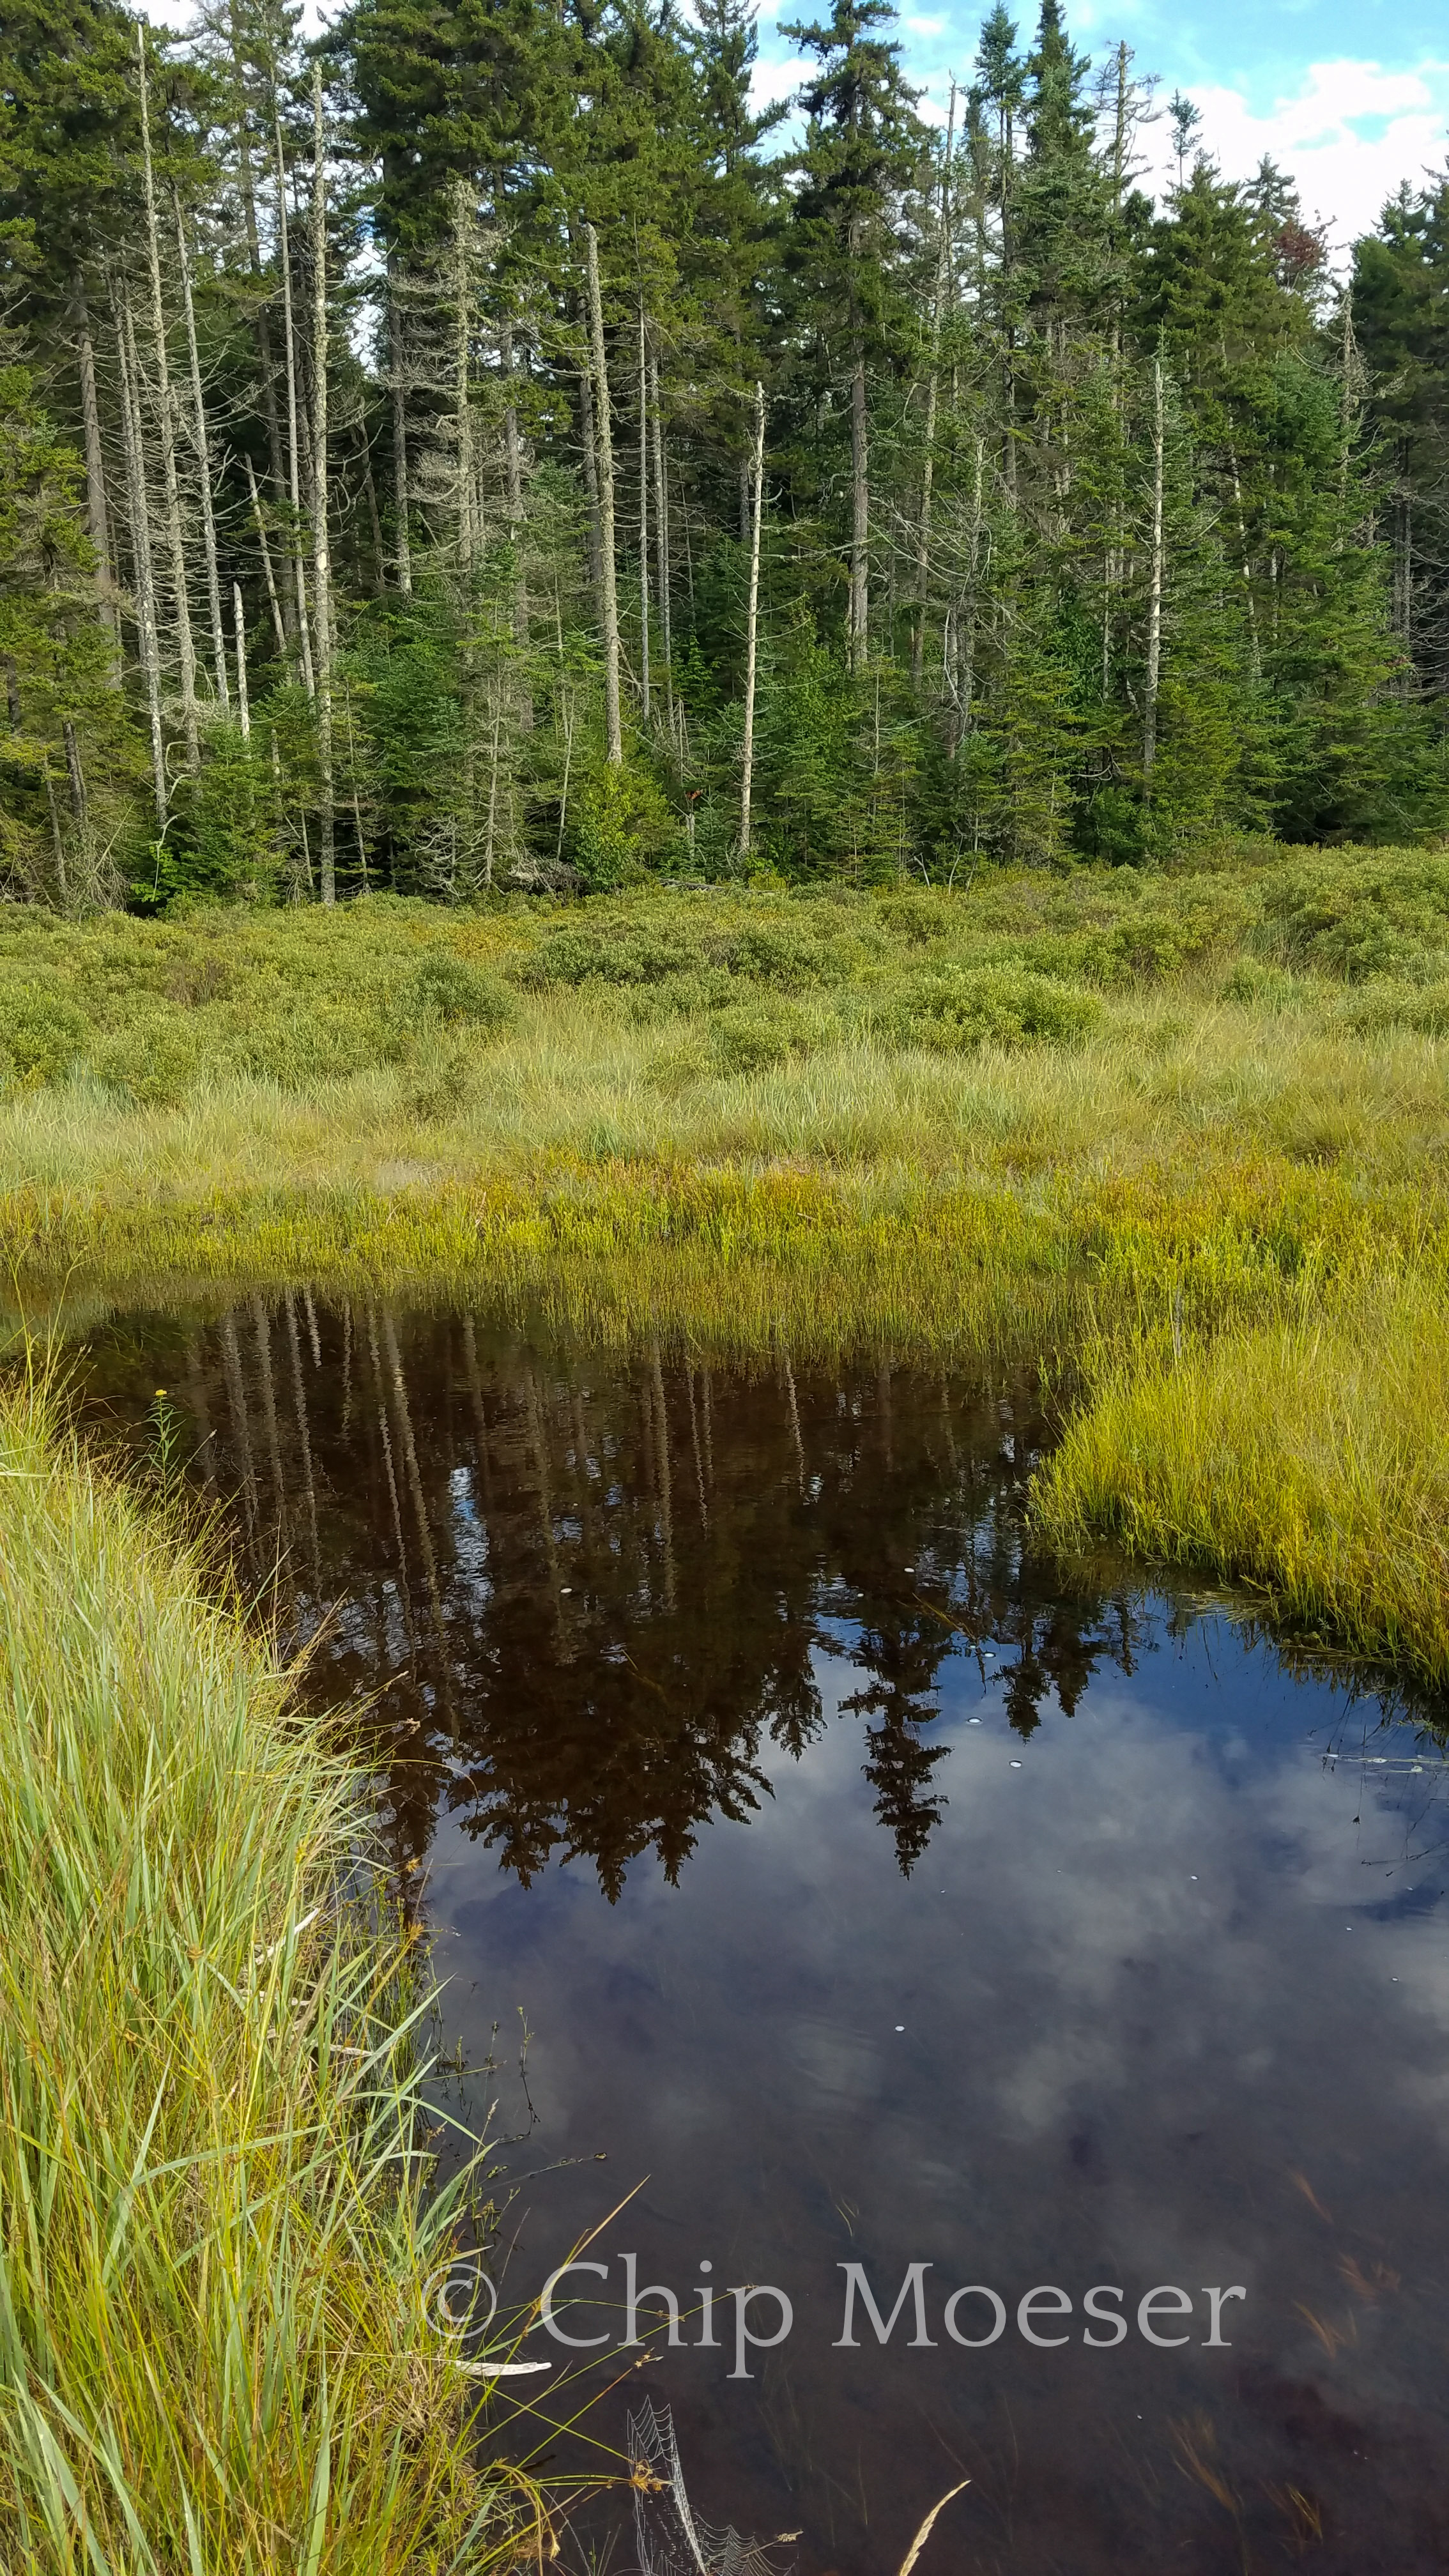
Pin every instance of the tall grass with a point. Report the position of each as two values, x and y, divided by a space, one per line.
1308 1457
215 2227
1054 1110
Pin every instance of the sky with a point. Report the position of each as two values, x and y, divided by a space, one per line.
1351 97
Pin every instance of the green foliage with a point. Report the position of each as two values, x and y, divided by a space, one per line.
619 824
246 2196
954 1010
1094 624
157 1010
1360 917
446 989
751 1037
42 1031
739 979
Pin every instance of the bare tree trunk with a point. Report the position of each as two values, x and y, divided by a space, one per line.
860 518
462 341
185 648
399 436
608 594
74 773
294 442
959 645
643 519
243 708
747 750
1350 389
1402 609
1154 612
133 448
1007 155
513 469
661 543
57 837
928 464
1246 567
591 480
254 255
968 646
278 623
97 514
203 459
488 838
357 827
375 523
321 560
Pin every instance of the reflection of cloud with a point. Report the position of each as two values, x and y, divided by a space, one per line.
1093 2038
1349 136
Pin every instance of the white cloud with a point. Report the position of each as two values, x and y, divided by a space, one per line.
1348 136
775 80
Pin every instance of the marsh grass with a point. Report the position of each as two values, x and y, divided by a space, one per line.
1053 1113
215 2216
1308 1457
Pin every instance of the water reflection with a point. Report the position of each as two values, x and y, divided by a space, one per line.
585 1595
924 1904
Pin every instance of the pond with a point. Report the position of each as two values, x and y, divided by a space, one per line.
876 1894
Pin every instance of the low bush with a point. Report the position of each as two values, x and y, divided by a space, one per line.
749 1037
956 1009
1357 916
1423 1008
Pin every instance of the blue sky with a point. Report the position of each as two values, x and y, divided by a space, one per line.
1351 99
1351 96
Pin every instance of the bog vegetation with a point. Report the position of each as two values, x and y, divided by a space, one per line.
479 450
949 613
1187 1131
216 2233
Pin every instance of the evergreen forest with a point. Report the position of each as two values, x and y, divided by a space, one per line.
478 451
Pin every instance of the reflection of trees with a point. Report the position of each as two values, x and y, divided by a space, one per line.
584 1597
902 1653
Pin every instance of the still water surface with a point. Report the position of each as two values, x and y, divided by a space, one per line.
876 1893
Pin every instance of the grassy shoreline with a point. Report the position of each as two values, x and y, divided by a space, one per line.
1101 1116
215 2222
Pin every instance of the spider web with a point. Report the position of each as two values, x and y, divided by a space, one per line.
671 2538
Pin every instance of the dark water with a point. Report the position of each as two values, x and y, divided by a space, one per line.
877 1894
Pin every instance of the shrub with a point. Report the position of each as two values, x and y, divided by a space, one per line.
1360 917
1421 1007
446 989
611 951
750 1037
777 953
42 1034
1269 988
955 1009
155 1059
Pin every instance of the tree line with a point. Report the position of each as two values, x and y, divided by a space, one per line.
479 452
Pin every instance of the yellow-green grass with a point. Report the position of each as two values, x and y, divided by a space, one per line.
1309 1458
215 2227
922 1200
1051 1112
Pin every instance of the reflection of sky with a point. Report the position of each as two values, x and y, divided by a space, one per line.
1144 1979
